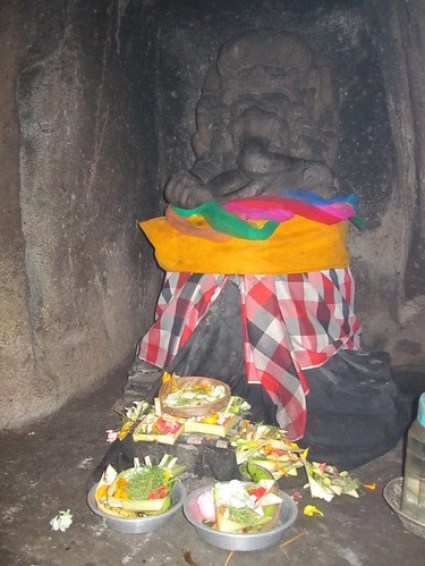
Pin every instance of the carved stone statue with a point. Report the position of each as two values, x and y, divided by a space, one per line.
267 120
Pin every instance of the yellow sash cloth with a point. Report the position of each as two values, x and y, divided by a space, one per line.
297 245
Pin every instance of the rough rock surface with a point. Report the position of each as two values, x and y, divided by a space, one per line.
79 169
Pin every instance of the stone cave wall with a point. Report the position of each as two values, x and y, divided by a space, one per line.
97 107
398 29
78 164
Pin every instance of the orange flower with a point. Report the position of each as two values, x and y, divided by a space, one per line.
268 448
121 491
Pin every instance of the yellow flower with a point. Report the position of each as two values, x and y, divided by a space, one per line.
310 510
166 377
124 430
121 493
211 419
102 491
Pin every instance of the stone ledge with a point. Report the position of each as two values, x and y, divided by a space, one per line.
143 383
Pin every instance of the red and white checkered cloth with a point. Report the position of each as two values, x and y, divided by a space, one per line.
290 323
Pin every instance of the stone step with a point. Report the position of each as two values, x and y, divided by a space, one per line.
143 384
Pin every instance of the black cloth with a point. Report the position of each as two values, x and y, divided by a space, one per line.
354 409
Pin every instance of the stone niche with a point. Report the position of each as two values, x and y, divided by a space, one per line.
97 109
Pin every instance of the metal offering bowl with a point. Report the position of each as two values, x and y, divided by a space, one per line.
140 524
392 495
240 541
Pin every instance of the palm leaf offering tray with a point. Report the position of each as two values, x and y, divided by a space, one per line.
325 481
143 490
192 396
267 446
217 424
164 429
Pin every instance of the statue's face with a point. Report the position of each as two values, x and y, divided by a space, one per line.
274 103
261 116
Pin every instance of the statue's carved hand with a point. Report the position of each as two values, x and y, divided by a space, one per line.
256 161
281 171
186 191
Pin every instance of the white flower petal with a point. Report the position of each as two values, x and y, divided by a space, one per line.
62 521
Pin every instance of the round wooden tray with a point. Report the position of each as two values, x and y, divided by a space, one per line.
193 410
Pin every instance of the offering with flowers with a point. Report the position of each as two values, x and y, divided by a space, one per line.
325 481
241 507
193 396
164 429
266 446
142 490
129 419
219 423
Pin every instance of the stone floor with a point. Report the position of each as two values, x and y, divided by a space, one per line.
47 468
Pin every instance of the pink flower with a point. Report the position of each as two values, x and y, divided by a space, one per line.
206 506
111 436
